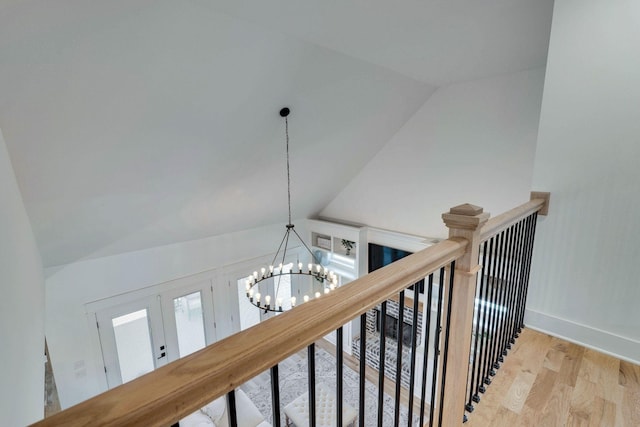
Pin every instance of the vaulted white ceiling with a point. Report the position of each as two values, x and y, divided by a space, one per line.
136 123
434 41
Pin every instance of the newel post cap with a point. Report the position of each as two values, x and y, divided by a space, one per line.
465 216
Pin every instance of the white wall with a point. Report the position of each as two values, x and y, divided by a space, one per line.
21 307
72 338
584 283
470 142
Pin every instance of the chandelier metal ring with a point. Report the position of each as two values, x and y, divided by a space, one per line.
322 274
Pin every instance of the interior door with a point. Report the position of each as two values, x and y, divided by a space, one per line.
132 339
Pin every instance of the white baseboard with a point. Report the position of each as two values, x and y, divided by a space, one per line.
614 345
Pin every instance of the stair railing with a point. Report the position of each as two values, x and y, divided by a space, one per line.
439 380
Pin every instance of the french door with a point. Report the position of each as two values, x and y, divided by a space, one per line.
139 336
132 339
189 320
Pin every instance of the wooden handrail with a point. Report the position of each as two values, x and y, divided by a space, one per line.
173 391
500 222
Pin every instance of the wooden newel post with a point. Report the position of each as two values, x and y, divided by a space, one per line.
464 221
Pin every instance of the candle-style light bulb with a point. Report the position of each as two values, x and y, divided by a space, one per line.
318 294
262 271
267 300
293 301
248 285
300 266
250 293
306 298
258 296
279 302
326 290
310 267
318 267
280 267
332 286
255 274
271 269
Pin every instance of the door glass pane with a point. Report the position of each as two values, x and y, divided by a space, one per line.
249 314
189 323
133 343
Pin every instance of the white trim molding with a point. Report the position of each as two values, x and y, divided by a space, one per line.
402 241
618 346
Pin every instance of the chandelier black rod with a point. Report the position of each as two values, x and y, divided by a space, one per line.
284 254
313 257
286 130
284 238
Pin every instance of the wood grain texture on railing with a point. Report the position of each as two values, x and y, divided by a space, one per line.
500 222
173 391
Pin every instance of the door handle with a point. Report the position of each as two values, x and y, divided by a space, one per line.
163 354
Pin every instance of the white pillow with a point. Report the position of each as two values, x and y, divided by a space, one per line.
196 419
248 414
216 410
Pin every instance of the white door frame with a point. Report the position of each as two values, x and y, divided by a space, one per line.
108 341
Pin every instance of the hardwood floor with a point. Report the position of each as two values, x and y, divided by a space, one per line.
548 382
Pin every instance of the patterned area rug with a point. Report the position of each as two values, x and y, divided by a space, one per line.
294 382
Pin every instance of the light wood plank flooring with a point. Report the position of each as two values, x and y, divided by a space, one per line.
548 382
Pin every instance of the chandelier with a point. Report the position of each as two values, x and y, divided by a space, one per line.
269 287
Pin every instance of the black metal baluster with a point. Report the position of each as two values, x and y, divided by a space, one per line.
414 337
512 284
231 405
510 288
503 293
446 340
339 376
526 262
363 367
382 322
534 221
522 250
478 342
275 396
498 303
483 324
516 284
488 368
436 345
519 277
400 333
531 236
472 353
484 299
425 358
311 365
